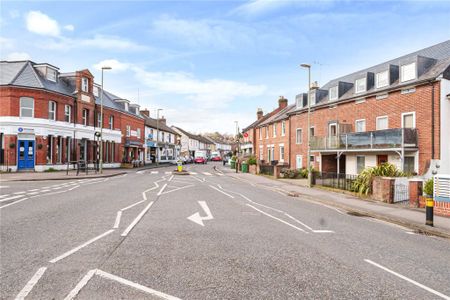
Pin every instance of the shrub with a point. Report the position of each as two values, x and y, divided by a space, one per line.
51 170
363 182
234 158
428 187
251 160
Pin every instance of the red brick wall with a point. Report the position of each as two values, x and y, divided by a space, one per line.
442 209
393 107
275 141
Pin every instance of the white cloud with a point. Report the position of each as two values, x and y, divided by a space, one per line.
40 23
116 65
69 27
18 56
6 43
260 7
112 43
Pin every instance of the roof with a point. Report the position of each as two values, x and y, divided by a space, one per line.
151 122
262 119
109 101
204 140
281 115
434 60
184 132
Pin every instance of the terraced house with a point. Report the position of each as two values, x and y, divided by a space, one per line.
397 111
49 118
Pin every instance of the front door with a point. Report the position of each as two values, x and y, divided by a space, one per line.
381 159
25 155
299 161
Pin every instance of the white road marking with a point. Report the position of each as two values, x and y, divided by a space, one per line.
23 199
136 285
135 221
275 218
73 293
167 172
134 204
207 173
72 188
4 186
29 286
161 190
117 221
45 191
68 253
196 218
33 193
12 198
3 196
193 173
198 179
226 194
140 172
33 190
306 226
220 174
174 190
18 193
410 232
154 172
171 177
408 279
57 188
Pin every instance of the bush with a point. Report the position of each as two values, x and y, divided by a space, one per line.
363 182
234 158
251 160
295 174
428 187
51 170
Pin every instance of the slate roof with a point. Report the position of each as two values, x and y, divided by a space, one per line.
204 140
439 63
190 135
151 122
282 114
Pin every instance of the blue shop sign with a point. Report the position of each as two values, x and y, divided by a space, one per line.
151 144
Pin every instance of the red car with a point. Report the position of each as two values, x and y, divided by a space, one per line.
200 160
216 158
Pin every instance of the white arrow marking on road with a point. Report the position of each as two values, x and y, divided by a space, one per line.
196 218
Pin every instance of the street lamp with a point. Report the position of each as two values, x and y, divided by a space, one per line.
308 159
101 122
157 135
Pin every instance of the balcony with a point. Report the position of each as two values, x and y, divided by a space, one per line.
381 139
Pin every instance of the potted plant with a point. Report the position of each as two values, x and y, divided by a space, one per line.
427 193
252 164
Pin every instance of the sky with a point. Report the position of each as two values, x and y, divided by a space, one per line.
208 64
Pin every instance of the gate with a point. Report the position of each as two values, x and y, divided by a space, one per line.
400 190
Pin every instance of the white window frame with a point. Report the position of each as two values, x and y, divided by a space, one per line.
379 118
402 72
53 76
99 121
85 84
357 90
111 122
260 133
413 113
358 121
274 128
296 136
85 116
52 109
329 129
261 152
335 90
314 129
26 108
281 146
128 133
312 97
67 113
357 163
283 128
96 91
138 133
377 80
299 102
267 132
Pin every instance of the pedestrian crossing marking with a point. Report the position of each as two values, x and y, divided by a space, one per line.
154 172
220 174
168 172
206 173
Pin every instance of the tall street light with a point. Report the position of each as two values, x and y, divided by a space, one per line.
157 135
101 122
308 159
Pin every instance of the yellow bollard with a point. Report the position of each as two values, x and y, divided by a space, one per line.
180 166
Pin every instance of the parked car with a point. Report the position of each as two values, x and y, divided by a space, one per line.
200 157
215 156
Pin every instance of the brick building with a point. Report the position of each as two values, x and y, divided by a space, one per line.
48 118
396 112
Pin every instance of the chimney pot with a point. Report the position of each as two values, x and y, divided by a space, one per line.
259 113
145 112
282 102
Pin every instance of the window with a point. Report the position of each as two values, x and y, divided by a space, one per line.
382 79
409 165
274 129
99 119
311 131
260 133
68 148
126 106
170 138
85 117
360 125
267 132
332 129
360 85
85 84
408 120
281 153
313 97
96 91
299 101
51 74
52 110
162 137
333 93
128 131
68 113
138 132
283 128
360 163
298 136
261 153
26 107
382 123
49 149
111 122
408 72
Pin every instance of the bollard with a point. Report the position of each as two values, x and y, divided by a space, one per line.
180 166
429 212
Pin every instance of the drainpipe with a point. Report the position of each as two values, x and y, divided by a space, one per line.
432 120
289 142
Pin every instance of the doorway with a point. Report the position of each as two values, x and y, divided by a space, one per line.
25 155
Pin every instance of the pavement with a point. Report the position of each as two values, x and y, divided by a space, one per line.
209 235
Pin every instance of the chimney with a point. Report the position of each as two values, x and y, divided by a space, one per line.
145 112
162 120
282 102
259 113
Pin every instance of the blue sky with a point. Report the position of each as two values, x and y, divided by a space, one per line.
209 63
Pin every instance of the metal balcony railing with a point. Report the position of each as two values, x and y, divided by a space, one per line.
379 139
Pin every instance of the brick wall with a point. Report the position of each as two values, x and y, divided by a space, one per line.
275 141
442 209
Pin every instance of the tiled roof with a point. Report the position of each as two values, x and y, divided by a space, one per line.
154 124
282 114
190 135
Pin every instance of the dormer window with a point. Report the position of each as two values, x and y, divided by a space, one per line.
360 85
126 106
312 98
333 92
408 72
382 79
85 84
96 91
51 74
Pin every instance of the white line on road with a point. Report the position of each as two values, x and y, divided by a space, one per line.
408 279
161 190
207 173
73 293
18 193
135 221
193 173
136 285
3 196
174 190
275 218
23 199
33 193
68 253
306 226
154 172
171 177
33 190
11 198
72 188
167 172
220 174
29 286
140 172
117 221
123 209
213 187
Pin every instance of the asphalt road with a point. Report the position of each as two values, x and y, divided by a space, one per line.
151 235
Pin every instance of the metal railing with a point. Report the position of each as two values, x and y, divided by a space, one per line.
379 139
82 166
334 180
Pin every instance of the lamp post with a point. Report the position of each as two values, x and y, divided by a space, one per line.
157 136
101 122
308 159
